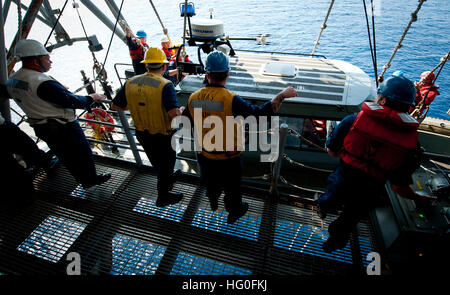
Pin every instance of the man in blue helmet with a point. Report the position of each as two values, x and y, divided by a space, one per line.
137 47
222 169
377 144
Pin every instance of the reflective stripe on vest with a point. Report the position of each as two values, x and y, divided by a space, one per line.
215 101
23 85
144 99
380 140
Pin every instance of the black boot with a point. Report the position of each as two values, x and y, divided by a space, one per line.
168 199
99 179
175 176
232 218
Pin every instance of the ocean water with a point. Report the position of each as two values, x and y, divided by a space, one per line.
293 25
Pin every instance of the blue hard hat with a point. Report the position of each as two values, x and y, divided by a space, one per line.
398 88
141 34
398 73
217 62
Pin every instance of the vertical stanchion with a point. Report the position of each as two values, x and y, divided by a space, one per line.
4 102
133 146
277 165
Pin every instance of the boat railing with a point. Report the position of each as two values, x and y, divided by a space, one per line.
278 52
273 178
122 127
119 77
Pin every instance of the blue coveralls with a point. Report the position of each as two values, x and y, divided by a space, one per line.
226 175
354 190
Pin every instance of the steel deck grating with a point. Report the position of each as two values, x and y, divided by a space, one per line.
117 229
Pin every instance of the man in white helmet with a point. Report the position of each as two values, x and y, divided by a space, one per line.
165 46
50 109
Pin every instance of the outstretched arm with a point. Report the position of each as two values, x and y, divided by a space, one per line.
54 92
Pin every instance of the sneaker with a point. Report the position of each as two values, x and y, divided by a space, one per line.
169 199
175 176
232 218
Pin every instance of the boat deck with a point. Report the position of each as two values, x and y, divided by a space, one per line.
117 229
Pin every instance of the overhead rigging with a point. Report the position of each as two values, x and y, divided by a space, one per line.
56 23
372 44
165 31
322 28
399 44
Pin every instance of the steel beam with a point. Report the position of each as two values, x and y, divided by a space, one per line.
4 101
103 18
27 23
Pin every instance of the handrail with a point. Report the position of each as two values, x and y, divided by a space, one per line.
287 53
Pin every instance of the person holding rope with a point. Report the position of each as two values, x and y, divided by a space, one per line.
50 109
137 47
426 92
165 46
153 104
380 143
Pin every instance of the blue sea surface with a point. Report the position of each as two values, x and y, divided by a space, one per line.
293 24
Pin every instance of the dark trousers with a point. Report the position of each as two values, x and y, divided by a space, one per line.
70 145
161 155
138 67
356 193
16 181
223 175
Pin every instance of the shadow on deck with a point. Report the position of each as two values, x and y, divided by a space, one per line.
117 229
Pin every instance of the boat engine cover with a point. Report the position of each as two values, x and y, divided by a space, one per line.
205 29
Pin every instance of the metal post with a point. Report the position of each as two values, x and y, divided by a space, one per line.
27 23
133 146
5 10
184 25
103 18
277 165
4 102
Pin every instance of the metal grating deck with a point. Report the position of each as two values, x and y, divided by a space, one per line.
117 229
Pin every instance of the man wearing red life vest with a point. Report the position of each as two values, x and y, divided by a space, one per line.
137 47
378 144
165 46
172 71
425 90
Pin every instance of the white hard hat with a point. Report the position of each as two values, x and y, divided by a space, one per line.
28 47
164 39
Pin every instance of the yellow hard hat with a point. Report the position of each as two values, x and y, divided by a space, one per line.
154 55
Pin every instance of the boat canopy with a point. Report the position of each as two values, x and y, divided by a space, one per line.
328 89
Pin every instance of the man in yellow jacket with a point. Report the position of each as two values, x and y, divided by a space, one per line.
153 104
